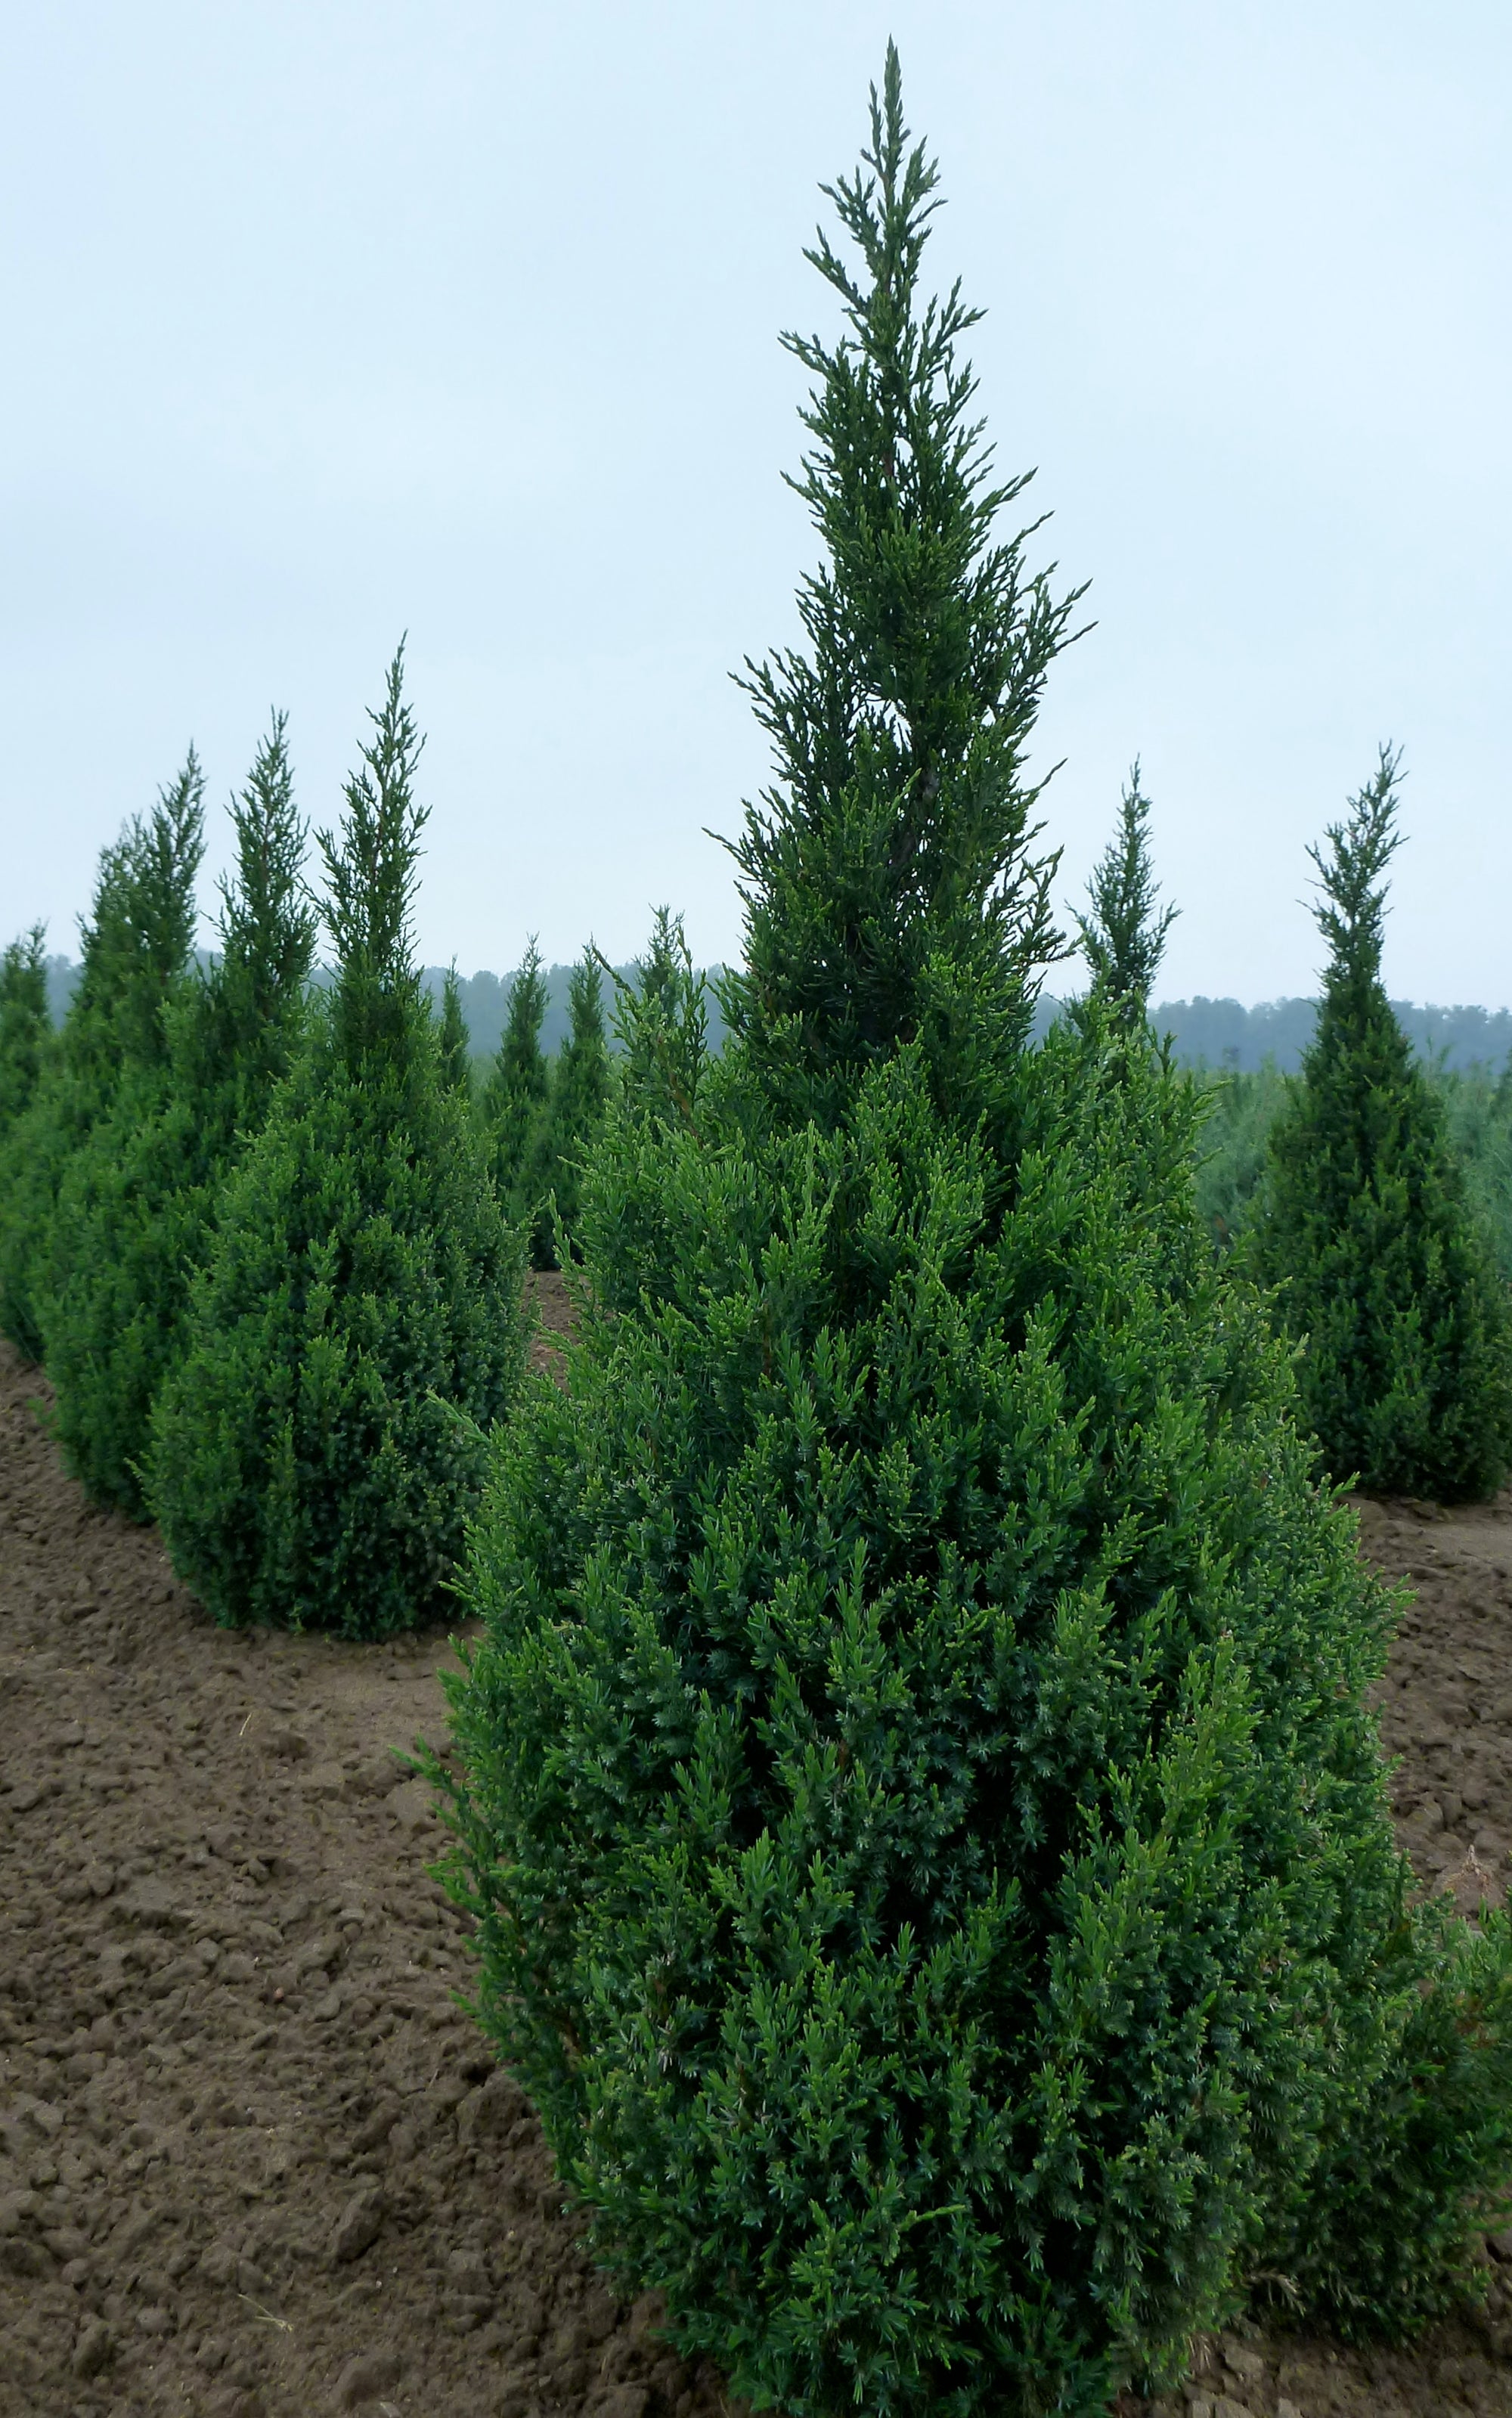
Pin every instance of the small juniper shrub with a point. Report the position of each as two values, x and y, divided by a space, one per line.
137 948
916 1782
138 1200
317 1448
1385 1274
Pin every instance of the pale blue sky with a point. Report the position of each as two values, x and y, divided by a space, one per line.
326 321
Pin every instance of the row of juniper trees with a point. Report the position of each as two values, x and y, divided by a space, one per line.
914 1781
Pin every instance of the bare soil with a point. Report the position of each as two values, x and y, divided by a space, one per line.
254 2159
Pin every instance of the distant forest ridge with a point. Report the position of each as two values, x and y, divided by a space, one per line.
1217 1034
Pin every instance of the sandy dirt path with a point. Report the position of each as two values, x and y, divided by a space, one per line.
255 2161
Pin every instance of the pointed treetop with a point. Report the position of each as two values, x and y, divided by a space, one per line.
1352 911
370 864
897 835
1123 938
267 918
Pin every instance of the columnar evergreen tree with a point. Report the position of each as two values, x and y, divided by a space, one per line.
456 1047
1385 1275
661 1025
1123 939
136 1204
136 952
317 1448
26 1026
514 1098
577 1101
917 1790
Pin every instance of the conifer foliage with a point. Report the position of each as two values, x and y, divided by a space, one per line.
316 1452
929 1838
26 1026
514 1109
135 956
581 1083
137 1201
1123 938
1385 1274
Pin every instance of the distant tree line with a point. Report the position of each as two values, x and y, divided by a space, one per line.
483 998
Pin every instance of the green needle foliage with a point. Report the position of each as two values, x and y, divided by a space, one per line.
580 1082
1386 1275
514 1107
137 1202
1123 939
26 1026
455 1044
136 951
317 1447
916 1782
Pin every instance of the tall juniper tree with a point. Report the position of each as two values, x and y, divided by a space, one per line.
316 1449
515 1099
578 1102
916 1785
138 1200
1385 1275
136 952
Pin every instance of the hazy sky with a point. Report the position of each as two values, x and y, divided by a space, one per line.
324 322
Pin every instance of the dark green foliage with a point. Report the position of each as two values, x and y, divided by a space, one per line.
456 1056
662 1026
317 1449
514 1107
136 950
25 1031
1385 1275
1123 939
1239 1111
889 871
137 1201
581 1083
917 1788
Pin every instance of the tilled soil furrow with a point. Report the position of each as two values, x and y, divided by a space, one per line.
255 2161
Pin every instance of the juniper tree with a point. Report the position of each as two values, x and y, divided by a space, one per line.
1385 1276
135 954
1123 938
578 1098
138 1200
456 1049
915 1784
514 1098
316 1449
26 1026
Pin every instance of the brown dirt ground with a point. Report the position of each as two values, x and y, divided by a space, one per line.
255 2162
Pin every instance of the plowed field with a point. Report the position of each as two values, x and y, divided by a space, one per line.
255 2161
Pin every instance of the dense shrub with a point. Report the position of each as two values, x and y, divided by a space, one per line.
1385 1276
917 1789
136 1202
136 955
317 1449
